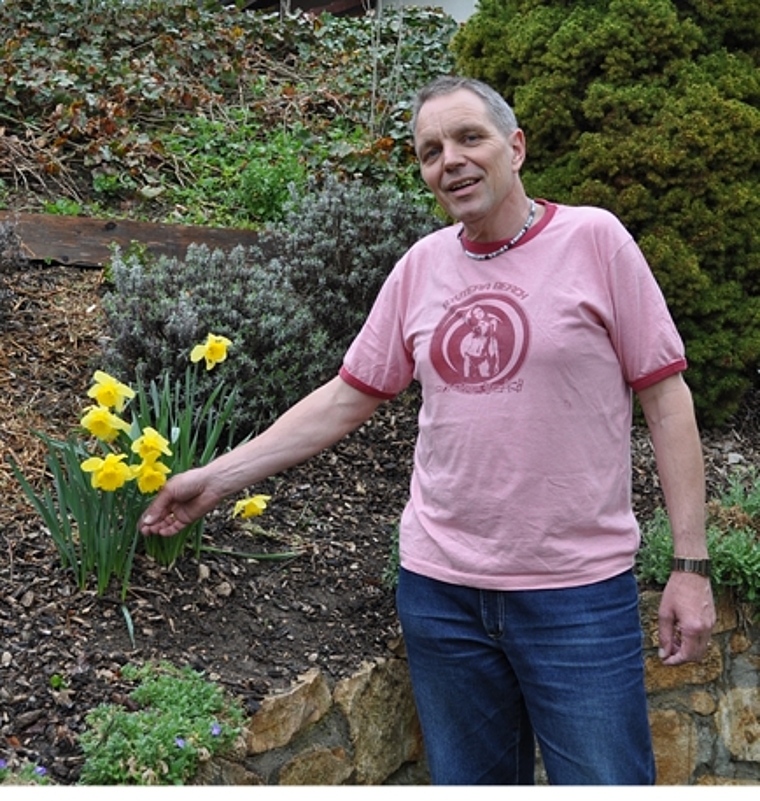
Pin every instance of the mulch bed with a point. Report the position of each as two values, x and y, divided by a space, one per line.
253 626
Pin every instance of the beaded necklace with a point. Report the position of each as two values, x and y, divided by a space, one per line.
504 248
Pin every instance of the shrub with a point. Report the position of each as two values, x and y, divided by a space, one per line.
293 302
12 259
651 109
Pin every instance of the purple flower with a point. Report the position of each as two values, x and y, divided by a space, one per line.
40 770
216 729
3 764
179 742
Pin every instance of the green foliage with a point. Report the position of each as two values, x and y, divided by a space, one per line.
237 176
731 25
651 109
99 472
733 541
63 206
390 573
292 304
12 259
27 775
180 111
181 721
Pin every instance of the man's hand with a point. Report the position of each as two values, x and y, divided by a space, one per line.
184 499
686 618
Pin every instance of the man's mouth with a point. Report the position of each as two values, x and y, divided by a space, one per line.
456 186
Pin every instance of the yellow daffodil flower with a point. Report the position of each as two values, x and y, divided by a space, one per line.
110 392
151 475
251 507
150 443
213 350
102 423
108 474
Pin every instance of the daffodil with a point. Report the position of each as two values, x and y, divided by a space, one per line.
151 475
110 392
150 443
102 423
108 474
251 507
213 350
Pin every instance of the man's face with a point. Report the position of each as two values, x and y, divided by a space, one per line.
468 163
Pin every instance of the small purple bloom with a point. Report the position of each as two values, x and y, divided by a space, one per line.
216 729
3 764
40 770
179 742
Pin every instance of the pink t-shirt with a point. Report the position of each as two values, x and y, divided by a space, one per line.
527 362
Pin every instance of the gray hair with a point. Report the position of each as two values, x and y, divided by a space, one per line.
499 110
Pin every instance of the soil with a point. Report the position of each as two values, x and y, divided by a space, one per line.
251 625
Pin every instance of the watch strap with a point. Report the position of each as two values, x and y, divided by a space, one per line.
686 565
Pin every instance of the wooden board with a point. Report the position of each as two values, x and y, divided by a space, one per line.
87 242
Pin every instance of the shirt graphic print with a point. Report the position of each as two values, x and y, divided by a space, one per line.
482 340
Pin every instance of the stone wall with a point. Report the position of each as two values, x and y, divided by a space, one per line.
705 717
705 720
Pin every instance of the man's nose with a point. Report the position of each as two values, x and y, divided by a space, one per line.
453 155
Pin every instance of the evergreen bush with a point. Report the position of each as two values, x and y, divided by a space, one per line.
650 108
290 304
12 259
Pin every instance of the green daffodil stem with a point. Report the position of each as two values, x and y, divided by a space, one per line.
259 557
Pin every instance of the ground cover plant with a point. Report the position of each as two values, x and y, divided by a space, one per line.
733 540
177 720
202 113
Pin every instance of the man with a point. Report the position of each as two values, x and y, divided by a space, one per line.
516 594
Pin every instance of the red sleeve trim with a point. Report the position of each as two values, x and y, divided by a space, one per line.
659 375
362 387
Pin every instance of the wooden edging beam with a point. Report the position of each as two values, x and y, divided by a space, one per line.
87 242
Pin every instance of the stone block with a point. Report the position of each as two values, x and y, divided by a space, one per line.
322 766
385 733
283 715
660 677
720 781
726 618
739 643
225 773
739 723
702 703
649 603
674 737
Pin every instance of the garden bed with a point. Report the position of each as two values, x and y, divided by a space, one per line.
252 626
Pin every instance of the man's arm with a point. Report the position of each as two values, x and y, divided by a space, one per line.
316 422
687 611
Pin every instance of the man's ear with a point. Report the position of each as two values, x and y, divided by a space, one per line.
519 149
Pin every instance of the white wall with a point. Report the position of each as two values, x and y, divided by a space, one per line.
460 10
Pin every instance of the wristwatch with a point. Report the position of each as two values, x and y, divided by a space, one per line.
700 566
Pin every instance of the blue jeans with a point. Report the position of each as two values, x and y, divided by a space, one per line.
494 671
